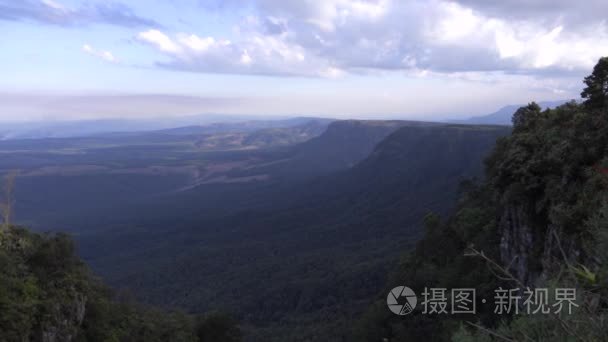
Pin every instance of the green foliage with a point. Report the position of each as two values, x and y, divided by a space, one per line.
584 274
525 118
312 256
217 327
585 323
596 91
439 261
554 166
464 334
46 290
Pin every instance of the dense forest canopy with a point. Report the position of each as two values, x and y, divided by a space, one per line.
537 219
47 294
540 219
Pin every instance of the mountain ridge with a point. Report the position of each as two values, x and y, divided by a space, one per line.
332 230
504 114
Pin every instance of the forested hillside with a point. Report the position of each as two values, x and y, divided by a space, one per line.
47 294
302 254
96 182
305 263
304 171
539 220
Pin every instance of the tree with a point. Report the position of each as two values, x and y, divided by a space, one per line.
596 92
218 327
6 207
525 117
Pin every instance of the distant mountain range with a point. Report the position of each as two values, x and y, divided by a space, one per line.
503 115
200 124
208 123
291 229
304 250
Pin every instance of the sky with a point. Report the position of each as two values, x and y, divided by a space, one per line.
411 59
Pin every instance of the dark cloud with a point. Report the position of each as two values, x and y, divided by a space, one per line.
569 12
273 26
118 14
55 14
535 7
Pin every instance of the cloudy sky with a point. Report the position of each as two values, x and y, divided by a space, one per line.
343 58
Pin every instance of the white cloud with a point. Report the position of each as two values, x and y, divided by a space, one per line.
105 55
160 40
416 36
54 5
196 43
332 72
329 14
256 54
519 45
245 58
457 24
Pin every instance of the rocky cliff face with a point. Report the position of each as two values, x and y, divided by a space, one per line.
42 288
517 244
530 252
65 319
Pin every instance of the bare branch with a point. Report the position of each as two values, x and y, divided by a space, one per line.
6 207
490 332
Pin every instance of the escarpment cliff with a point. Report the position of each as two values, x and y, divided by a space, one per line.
539 221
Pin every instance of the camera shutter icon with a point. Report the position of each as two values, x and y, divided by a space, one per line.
401 300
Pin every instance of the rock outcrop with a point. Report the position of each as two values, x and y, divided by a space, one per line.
65 320
530 252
